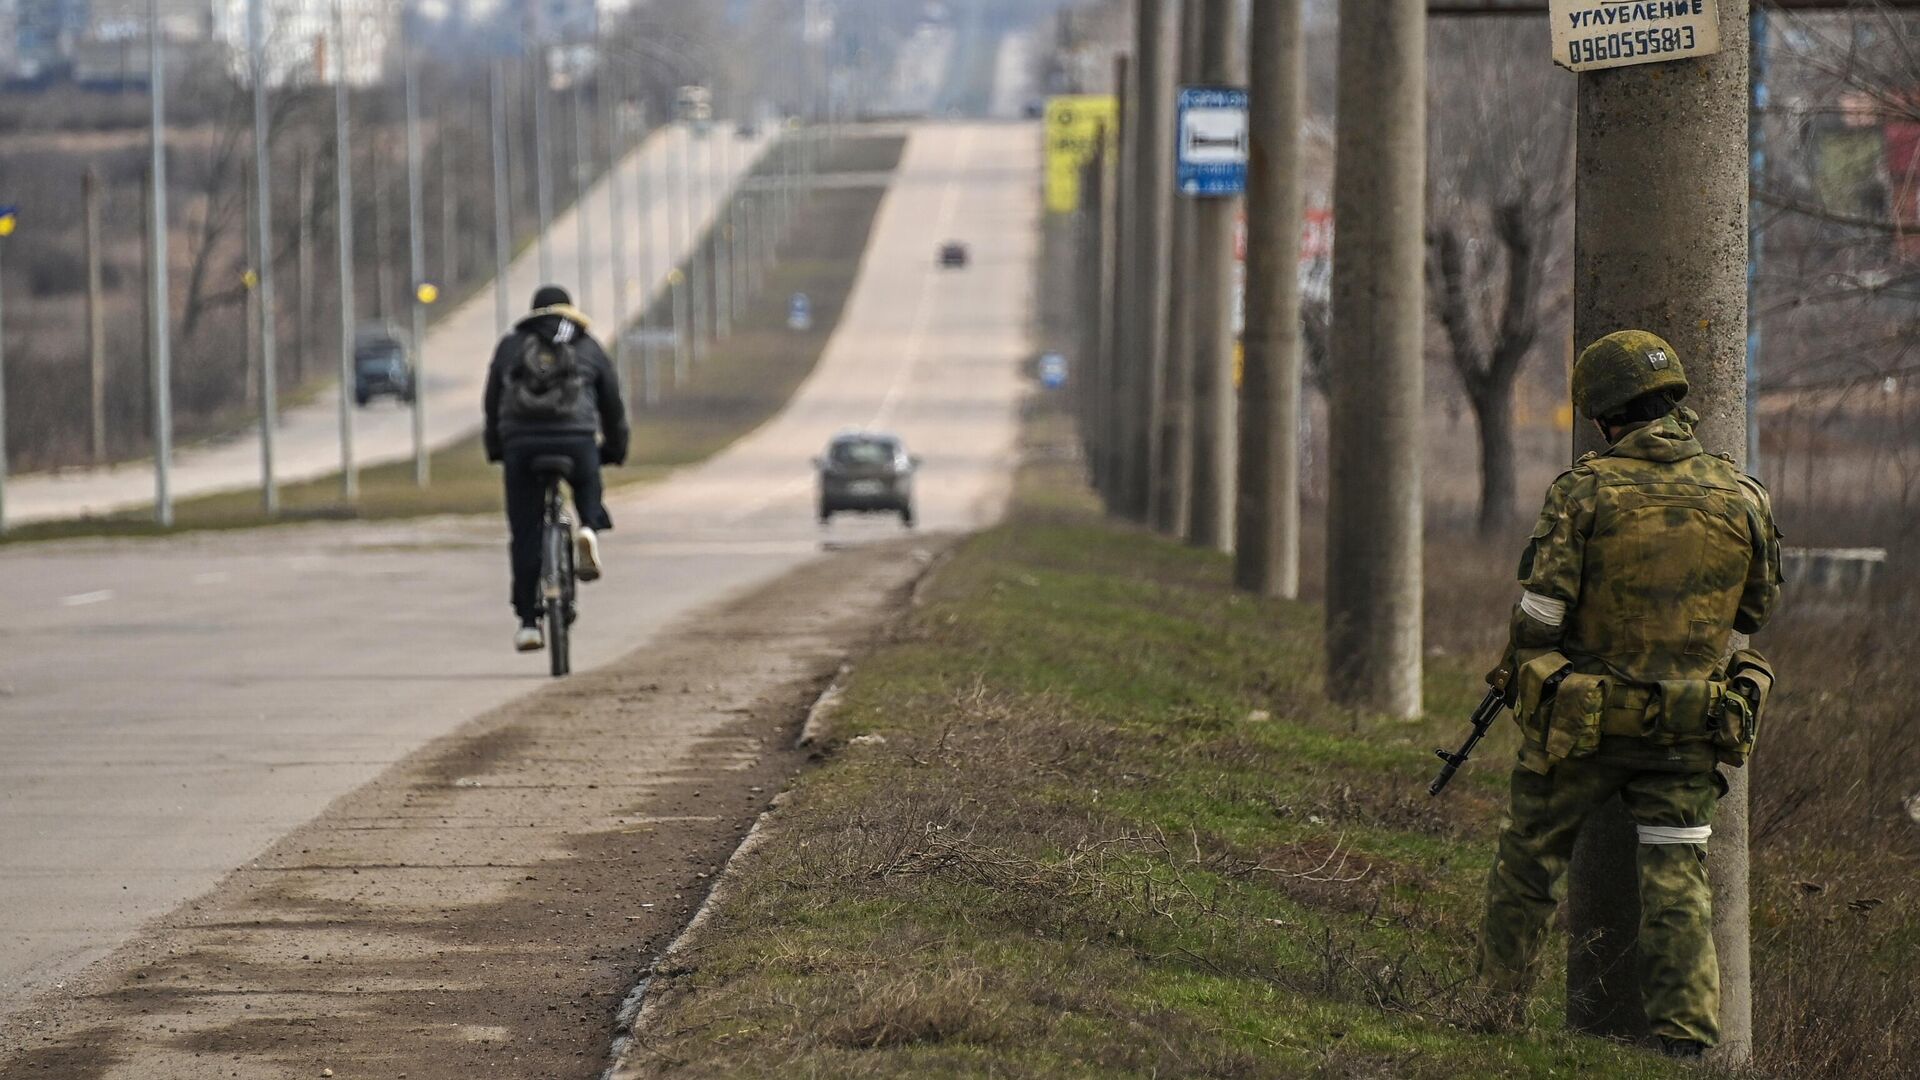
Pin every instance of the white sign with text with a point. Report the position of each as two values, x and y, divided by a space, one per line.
1593 34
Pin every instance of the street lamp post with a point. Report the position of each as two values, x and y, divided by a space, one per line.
263 240
502 223
582 182
423 293
542 168
698 299
649 267
343 212
678 296
617 224
6 229
162 344
722 233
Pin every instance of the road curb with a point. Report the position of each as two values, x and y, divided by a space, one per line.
635 1009
638 1005
823 709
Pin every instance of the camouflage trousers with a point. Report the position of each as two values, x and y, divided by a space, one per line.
1679 973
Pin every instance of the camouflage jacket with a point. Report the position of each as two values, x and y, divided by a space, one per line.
1658 552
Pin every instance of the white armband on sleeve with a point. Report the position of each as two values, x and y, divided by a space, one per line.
1544 610
1674 834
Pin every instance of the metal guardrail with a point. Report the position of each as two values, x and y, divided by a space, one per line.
1847 574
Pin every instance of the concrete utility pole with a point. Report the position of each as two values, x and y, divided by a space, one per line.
1147 229
1173 449
96 326
3 427
263 243
416 256
160 324
1267 519
343 223
1222 50
1374 511
1105 384
1660 243
1090 241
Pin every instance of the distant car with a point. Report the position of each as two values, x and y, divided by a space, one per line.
747 129
953 255
866 472
381 366
1034 109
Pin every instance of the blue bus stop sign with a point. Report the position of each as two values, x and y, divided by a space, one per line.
1213 141
800 312
1053 371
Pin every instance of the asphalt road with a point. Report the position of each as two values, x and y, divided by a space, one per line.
169 708
677 172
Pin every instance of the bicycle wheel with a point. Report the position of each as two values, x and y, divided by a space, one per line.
557 585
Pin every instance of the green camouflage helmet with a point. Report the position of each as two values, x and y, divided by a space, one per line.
1622 366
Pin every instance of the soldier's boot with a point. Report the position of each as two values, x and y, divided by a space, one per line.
1683 1049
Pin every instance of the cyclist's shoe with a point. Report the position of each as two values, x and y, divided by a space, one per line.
586 555
529 639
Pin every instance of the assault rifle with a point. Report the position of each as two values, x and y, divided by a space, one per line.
1483 718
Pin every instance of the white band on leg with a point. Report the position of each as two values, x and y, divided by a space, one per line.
1674 834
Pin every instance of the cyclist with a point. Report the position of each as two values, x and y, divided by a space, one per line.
550 390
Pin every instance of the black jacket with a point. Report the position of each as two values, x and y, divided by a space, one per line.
601 409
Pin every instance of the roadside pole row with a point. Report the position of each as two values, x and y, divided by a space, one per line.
1661 241
729 263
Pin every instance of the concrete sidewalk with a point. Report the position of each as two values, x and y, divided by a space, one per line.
457 348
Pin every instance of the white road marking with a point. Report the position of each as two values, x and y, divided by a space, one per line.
83 599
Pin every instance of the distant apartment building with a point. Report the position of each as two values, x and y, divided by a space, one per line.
299 44
36 36
104 42
111 48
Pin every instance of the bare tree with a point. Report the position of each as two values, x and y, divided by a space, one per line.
1499 198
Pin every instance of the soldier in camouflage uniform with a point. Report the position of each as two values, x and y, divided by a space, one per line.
1646 560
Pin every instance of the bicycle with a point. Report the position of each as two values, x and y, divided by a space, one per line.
557 582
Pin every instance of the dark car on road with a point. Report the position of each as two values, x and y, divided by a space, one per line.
381 366
866 472
953 255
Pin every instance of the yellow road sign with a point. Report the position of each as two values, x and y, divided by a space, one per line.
1076 124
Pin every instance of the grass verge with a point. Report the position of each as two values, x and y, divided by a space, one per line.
1086 815
742 382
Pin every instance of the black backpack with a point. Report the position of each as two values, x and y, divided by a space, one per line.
545 383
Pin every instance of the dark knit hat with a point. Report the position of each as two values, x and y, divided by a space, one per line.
550 296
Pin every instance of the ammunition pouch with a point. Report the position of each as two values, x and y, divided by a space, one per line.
1559 711
1749 683
1722 712
1686 711
1578 709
